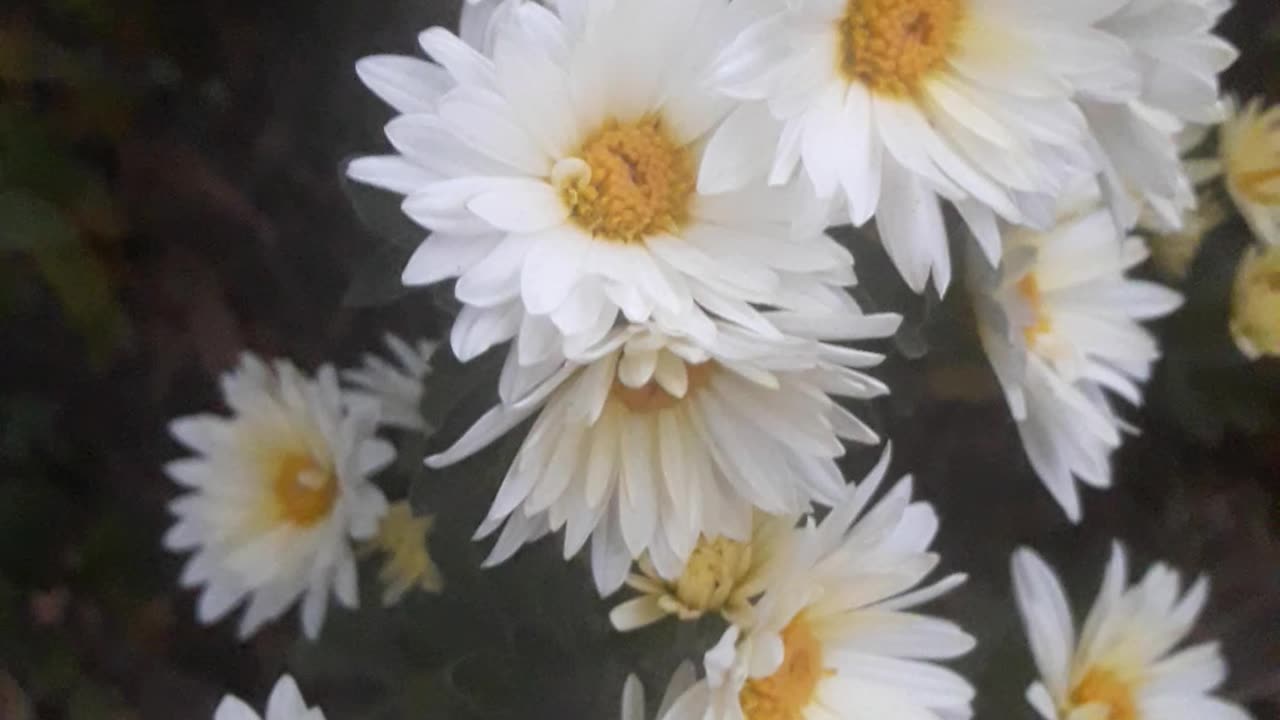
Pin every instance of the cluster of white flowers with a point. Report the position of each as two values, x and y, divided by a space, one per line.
633 196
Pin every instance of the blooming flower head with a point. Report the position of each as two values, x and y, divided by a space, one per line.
285 703
1249 149
654 439
633 693
721 575
1123 665
402 538
275 495
834 636
1059 322
558 177
899 103
397 387
1255 307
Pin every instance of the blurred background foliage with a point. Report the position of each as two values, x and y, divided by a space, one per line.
170 194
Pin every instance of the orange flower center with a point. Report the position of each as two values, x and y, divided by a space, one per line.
891 46
304 491
785 694
1029 289
1104 687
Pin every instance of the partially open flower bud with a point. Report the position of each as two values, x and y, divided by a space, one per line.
1255 311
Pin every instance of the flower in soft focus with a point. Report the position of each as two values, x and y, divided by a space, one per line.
1122 666
1255 307
1249 149
402 538
633 693
897 104
1059 322
833 635
1137 127
558 177
277 492
396 386
1174 251
654 439
721 575
285 703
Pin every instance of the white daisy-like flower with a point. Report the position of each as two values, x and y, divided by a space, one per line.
1059 322
896 104
1249 155
277 492
721 575
1123 665
396 386
557 175
633 693
285 703
653 439
1178 59
834 635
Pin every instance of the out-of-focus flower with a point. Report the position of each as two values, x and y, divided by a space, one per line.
1255 307
402 538
1059 322
1122 666
396 386
285 703
655 439
633 693
1173 252
722 575
276 495
1249 148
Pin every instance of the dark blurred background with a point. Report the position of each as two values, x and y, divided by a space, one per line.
170 195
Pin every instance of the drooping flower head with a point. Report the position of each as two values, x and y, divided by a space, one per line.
1255 306
653 439
276 494
397 386
897 104
1059 322
285 703
1123 664
1249 150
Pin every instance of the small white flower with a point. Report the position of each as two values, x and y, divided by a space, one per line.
285 703
1059 322
833 635
897 104
557 174
654 439
633 693
397 387
1123 665
276 494
1249 151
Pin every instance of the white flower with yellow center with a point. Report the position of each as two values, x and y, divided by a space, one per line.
633 693
407 565
557 175
1123 665
721 575
834 635
1059 322
396 386
898 103
654 439
1249 152
285 703
276 494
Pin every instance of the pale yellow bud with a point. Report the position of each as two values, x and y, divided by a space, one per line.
1255 308
402 538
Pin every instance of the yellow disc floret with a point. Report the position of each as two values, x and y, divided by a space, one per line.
712 574
892 45
786 693
1029 289
304 491
1255 306
1105 687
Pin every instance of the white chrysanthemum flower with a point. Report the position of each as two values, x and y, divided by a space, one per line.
1059 322
654 439
633 693
1178 58
833 637
407 563
277 493
1249 152
1123 665
721 575
898 103
558 177
397 387
285 703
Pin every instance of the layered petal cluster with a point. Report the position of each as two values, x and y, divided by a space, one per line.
894 105
397 385
285 703
557 174
652 440
276 494
1060 324
835 634
1123 665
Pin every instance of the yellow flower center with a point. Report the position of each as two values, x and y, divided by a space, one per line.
1029 289
892 45
785 694
712 573
628 181
652 397
304 491
1104 687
